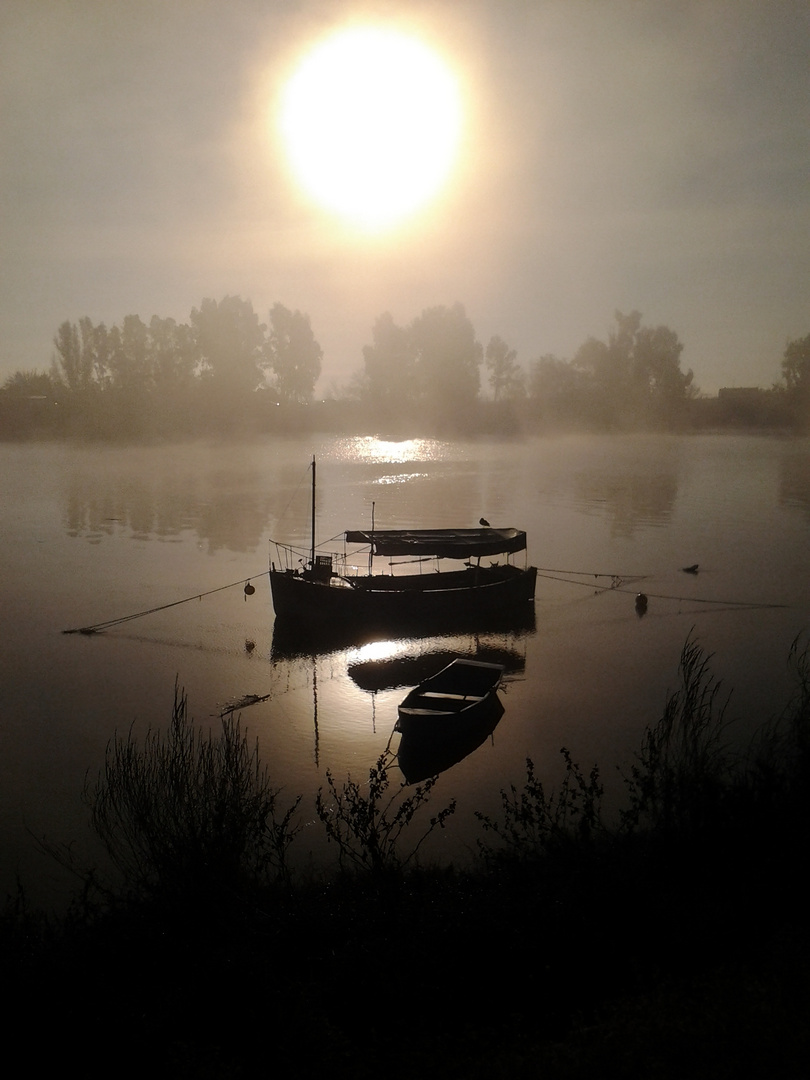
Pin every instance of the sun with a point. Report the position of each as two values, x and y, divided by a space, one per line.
371 121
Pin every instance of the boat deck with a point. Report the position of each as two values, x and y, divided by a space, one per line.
433 702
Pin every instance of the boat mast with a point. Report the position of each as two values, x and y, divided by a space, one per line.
371 546
312 545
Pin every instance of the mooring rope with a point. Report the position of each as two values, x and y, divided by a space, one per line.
618 580
97 627
616 585
592 573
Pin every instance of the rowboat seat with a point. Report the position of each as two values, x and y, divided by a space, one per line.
451 697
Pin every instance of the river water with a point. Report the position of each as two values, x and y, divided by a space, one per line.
92 534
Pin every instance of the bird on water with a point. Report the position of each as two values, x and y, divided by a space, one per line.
484 522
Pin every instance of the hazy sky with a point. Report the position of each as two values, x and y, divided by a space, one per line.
618 154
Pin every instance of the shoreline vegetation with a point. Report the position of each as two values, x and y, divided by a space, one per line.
198 415
669 938
224 372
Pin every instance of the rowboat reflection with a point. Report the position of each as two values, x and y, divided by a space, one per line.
380 664
426 751
413 667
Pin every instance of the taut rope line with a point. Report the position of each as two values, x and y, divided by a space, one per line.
96 627
617 579
553 575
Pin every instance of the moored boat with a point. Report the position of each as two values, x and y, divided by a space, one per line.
459 695
430 575
424 751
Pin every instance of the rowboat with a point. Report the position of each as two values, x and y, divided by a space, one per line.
430 576
461 694
448 716
423 751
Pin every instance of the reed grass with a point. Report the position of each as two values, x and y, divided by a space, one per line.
671 939
685 766
189 812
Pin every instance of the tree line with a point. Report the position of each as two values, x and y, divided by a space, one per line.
223 346
226 365
634 377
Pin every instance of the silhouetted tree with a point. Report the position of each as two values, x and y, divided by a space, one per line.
505 375
657 370
128 355
172 353
228 342
636 374
102 346
390 362
29 384
293 354
607 366
71 368
447 359
557 390
796 373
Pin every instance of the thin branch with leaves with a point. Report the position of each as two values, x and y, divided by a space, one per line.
368 824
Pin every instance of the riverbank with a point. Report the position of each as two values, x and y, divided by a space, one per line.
116 419
670 941
570 973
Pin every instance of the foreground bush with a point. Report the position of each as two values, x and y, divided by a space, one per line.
188 813
368 828
672 941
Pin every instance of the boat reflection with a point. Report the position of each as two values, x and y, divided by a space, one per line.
425 658
427 751
376 663
291 641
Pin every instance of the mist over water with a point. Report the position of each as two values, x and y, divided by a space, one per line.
94 534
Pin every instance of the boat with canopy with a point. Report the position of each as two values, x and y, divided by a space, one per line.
429 575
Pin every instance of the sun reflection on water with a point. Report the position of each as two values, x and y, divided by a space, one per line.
370 449
379 650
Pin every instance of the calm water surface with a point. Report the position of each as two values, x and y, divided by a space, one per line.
92 534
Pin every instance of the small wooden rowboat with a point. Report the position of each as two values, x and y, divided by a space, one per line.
429 749
462 693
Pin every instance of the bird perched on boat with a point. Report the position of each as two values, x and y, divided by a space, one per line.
484 522
641 604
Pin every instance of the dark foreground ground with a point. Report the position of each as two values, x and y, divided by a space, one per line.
638 963
673 944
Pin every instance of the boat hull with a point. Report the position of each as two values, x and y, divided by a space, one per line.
418 603
427 750
463 692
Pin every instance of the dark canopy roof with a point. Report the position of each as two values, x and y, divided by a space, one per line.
443 543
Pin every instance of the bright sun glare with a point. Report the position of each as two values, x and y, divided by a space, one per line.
371 121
